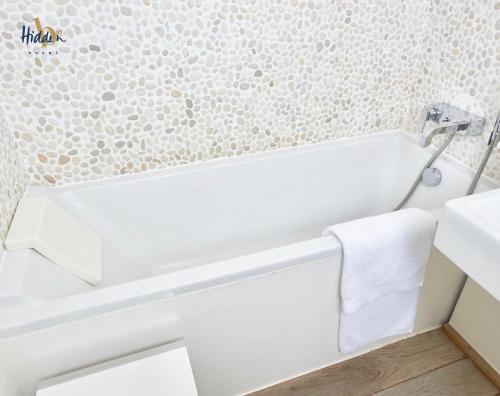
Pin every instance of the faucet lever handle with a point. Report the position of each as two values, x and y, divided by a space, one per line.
435 113
429 113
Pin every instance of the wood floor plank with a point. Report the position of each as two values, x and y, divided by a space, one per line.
376 370
461 378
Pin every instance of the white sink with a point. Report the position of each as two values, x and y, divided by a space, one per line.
469 235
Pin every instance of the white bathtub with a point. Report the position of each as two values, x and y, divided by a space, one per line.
226 254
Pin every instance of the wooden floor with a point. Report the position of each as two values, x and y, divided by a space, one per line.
425 365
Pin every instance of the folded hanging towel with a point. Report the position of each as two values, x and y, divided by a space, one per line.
387 316
384 261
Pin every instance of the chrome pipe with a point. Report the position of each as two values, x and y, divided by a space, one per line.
492 143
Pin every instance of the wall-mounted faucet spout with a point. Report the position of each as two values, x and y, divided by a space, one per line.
426 138
448 119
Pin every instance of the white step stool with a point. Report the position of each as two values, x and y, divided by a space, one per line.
162 371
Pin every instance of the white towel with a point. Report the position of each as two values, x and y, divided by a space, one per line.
384 261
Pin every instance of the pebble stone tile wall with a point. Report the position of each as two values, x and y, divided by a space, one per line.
461 66
142 85
13 177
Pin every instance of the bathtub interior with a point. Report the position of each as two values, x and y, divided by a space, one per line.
261 324
198 214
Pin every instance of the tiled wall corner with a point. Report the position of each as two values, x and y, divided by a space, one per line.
461 66
13 178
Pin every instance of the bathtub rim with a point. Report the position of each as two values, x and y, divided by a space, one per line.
394 135
155 289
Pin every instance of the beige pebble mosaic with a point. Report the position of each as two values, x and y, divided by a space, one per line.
140 85
460 65
13 177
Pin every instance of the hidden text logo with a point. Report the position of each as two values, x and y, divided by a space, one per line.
41 39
